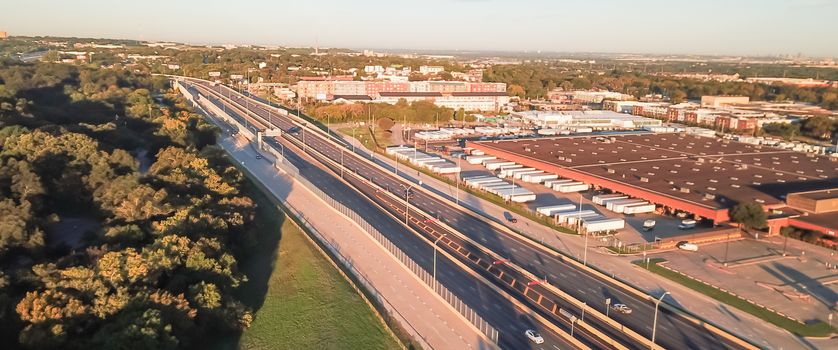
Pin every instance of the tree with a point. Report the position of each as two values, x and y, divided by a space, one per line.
750 215
819 127
516 90
785 130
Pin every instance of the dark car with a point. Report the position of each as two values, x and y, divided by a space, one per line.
294 130
510 218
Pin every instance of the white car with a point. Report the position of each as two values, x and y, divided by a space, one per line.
684 245
621 308
534 336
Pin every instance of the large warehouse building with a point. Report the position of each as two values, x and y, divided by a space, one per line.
679 172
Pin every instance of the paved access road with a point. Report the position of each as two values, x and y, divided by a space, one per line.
508 319
673 331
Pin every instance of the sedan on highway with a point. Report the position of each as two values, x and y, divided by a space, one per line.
621 308
534 336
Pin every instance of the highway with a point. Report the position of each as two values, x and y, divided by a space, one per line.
498 249
510 321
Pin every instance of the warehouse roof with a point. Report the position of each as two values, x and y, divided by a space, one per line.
707 171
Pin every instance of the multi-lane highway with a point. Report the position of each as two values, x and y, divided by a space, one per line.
510 263
509 320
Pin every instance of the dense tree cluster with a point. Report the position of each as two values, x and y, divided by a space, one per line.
419 111
153 263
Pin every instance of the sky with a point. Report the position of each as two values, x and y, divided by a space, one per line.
719 27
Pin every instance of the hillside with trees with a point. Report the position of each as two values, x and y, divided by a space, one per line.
121 224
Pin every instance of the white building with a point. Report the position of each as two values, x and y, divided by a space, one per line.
431 69
597 120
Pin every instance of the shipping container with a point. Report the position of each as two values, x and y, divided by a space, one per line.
603 225
574 220
571 187
483 184
513 166
620 208
550 183
639 209
479 159
519 175
541 178
598 199
518 195
622 202
511 172
561 217
550 210
497 165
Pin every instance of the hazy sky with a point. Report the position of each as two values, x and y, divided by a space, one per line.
742 27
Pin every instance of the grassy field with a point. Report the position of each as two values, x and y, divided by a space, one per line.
815 329
362 133
301 300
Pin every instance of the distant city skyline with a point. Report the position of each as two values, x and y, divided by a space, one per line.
714 27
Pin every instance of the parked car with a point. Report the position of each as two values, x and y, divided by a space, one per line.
687 224
621 308
684 245
648 225
258 156
533 336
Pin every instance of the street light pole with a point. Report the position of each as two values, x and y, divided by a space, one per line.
406 202
458 180
655 322
579 230
436 283
584 305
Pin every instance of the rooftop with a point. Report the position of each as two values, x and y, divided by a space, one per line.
709 172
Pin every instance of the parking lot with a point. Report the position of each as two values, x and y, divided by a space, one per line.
803 284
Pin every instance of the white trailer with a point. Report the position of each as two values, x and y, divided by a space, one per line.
518 195
598 199
477 182
620 208
541 178
497 165
479 159
450 168
639 209
478 177
602 225
550 210
513 166
561 217
573 220
511 172
497 190
571 187
550 183
424 162
485 184
611 205
520 174
394 149
477 152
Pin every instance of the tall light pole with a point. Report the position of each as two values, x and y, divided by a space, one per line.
584 305
436 283
579 229
406 201
457 193
655 322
